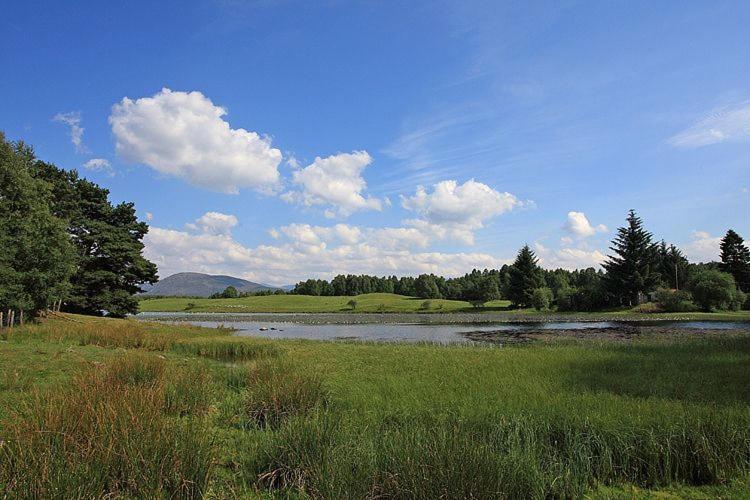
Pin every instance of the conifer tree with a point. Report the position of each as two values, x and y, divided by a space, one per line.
36 256
633 267
524 277
735 259
672 266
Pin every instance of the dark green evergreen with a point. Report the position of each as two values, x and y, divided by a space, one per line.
673 267
524 277
110 266
36 259
633 269
735 259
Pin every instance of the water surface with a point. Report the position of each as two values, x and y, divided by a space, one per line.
280 327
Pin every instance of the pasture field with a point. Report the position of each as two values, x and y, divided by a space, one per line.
119 408
392 303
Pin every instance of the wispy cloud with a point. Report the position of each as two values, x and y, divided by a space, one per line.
73 120
730 123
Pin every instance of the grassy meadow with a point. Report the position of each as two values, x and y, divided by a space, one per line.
119 408
392 303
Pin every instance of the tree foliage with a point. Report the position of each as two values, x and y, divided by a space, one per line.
632 269
525 276
110 266
37 256
713 289
735 259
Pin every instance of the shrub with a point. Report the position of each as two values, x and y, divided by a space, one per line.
541 298
713 289
738 301
352 304
647 308
674 300
426 305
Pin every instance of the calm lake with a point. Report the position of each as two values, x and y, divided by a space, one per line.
296 326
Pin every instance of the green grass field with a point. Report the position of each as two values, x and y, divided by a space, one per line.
95 407
371 302
391 303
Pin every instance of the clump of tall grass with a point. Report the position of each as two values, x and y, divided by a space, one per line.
107 434
501 456
275 391
125 334
226 349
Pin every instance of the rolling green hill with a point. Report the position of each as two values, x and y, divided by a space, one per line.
371 302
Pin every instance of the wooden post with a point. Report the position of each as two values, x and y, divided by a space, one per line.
1 320
11 318
20 318
8 319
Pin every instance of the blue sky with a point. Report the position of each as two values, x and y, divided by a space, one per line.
277 140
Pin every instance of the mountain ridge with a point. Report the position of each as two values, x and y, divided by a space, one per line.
190 284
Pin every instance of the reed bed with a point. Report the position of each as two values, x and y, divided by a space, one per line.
108 434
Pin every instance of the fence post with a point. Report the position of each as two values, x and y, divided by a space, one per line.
1 320
11 318
20 318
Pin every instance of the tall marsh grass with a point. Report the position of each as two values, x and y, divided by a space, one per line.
109 433
226 348
276 391
522 456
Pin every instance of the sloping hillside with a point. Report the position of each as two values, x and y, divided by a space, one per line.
201 285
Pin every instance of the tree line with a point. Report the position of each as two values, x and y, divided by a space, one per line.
62 239
638 270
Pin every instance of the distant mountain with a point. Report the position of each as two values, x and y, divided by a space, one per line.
201 285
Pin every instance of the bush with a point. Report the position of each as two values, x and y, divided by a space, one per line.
541 298
713 290
674 300
738 301
352 304
426 305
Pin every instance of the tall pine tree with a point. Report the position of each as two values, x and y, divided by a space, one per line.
735 259
524 276
36 256
110 266
632 269
672 266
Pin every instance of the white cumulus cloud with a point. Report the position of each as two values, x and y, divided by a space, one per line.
183 134
454 210
73 120
214 223
730 123
568 257
336 182
99 165
578 224
702 247
303 251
